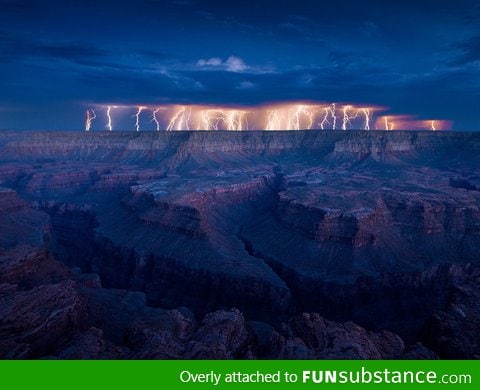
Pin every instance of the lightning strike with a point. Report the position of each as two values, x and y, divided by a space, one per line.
366 112
180 121
187 118
109 117
236 120
325 121
347 118
211 119
155 119
333 110
389 126
329 112
302 112
137 117
311 118
90 117
273 121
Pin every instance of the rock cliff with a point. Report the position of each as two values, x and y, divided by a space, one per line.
107 235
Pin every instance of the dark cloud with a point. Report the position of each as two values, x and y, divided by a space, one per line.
469 51
240 52
15 48
74 51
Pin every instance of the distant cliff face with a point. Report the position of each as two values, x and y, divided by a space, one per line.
125 147
348 224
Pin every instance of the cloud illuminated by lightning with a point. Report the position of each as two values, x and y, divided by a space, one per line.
406 122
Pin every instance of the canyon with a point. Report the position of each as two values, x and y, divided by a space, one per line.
240 245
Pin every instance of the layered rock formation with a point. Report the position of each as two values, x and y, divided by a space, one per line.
107 235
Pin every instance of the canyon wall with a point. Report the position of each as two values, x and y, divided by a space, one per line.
379 228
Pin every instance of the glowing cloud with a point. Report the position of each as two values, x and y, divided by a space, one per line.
406 122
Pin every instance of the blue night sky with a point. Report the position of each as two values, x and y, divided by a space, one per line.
59 58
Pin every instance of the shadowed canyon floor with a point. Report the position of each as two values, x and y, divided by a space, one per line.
219 244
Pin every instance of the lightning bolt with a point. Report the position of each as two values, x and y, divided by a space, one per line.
187 119
173 121
347 119
137 117
333 111
180 120
205 121
232 120
155 119
211 119
329 112
366 112
296 117
236 120
433 126
388 125
295 123
311 117
325 121
109 117
90 117
273 121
